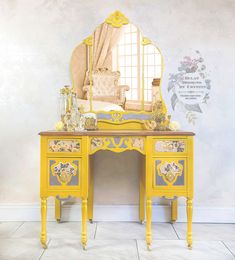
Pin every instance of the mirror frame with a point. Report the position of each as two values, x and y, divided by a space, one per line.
124 119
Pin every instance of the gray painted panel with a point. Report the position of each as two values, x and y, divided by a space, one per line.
75 179
159 180
53 179
180 179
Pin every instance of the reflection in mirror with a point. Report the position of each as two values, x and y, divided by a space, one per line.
116 68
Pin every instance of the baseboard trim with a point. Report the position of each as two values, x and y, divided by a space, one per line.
160 213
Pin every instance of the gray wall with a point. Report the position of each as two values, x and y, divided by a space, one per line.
36 41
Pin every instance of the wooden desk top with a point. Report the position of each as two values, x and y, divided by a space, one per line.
117 133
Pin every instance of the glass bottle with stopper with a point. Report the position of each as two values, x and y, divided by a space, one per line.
69 110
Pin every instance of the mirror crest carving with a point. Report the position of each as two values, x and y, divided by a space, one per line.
117 19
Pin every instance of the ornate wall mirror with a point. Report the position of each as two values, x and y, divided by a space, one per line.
116 68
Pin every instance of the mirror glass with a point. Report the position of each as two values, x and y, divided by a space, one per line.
116 68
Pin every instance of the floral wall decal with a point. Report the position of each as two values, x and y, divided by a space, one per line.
190 86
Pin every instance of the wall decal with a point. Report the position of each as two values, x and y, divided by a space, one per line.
190 87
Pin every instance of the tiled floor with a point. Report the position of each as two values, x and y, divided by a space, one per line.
116 240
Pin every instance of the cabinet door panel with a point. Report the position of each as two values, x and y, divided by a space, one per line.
169 173
64 173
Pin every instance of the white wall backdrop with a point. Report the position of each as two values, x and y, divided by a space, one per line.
36 41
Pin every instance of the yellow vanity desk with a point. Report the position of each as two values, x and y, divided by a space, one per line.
65 170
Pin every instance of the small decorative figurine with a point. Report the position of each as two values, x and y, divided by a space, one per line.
150 124
90 121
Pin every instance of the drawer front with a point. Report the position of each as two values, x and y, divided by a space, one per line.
169 172
170 146
60 146
64 173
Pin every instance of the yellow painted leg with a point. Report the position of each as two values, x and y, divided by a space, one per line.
84 222
90 195
57 210
189 217
174 210
141 198
43 222
148 222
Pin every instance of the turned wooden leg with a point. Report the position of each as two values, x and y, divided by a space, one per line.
189 217
174 210
141 198
84 222
148 222
90 195
43 222
57 210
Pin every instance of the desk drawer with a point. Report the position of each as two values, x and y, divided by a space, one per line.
59 146
169 146
169 172
64 173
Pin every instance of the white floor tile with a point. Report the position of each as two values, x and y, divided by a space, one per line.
231 246
177 250
207 231
116 240
54 230
61 249
8 228
20 249
132 230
